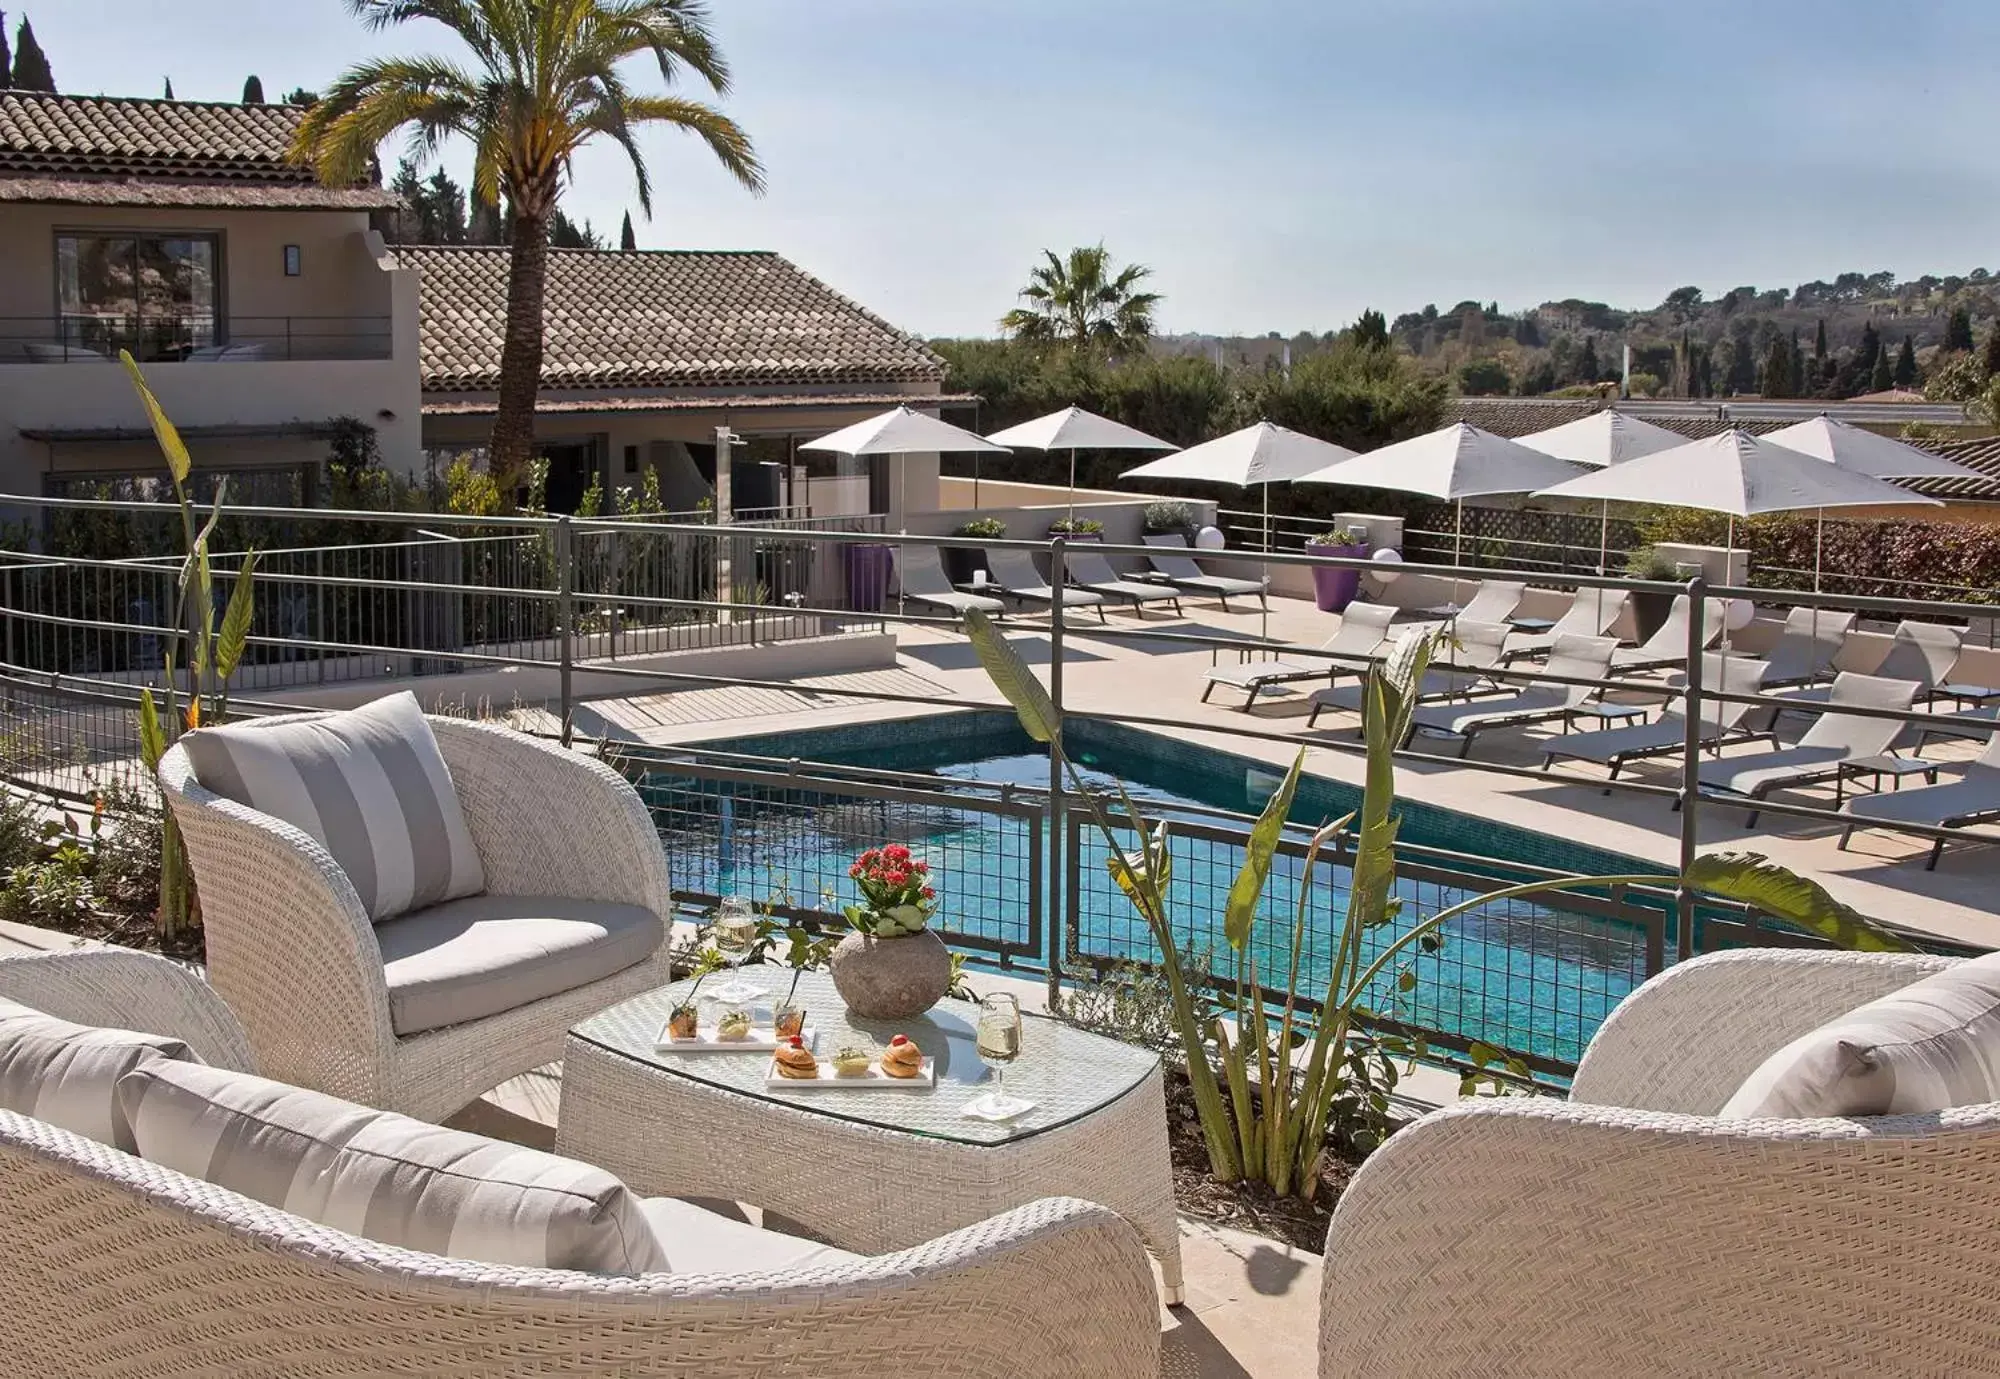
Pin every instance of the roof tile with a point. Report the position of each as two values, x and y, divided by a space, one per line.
106 136
673 318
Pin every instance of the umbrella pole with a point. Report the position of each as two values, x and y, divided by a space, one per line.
1265 601
1072 491
1819 541
1603 536
1458 550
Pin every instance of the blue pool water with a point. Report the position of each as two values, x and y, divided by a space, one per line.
1533 979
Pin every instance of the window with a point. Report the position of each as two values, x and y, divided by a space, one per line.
154 294
631 459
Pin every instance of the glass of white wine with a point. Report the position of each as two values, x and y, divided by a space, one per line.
735 928
998 1041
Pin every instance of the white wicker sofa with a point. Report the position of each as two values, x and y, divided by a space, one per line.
1630 1232
293 952
113 1266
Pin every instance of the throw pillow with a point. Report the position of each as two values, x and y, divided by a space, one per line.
369 784
386 1177
1930 1046
67 1074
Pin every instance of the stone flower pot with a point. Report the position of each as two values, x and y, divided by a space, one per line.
891 978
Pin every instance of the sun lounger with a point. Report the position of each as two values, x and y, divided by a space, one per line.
1921 651
1090 570
1720 722
1180 571
1805 649
1581 658
1354 647
1473 649
1669 646
1588 614
1832 749
1973 798
920 578
1013 569
1975 724
1494 600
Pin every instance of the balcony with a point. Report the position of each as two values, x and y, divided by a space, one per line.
97 338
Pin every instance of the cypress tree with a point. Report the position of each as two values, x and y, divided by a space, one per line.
1776 380
1881 377
1819 343
1586 363
1801 380
1991 359
626 239
31 64
1906 363
1871 348
168 94
253 90
6 55
1958 330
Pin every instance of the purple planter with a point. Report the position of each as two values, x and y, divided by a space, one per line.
1335 587
867 577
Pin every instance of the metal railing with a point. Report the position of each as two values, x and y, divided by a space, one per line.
558 598
192 337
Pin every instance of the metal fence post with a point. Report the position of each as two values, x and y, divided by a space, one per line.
565 620
1056 931
1697 597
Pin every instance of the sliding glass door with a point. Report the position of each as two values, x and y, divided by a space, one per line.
153 294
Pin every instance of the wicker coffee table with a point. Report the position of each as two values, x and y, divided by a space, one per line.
873 1171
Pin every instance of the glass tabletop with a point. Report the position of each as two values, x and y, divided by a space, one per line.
1067 1073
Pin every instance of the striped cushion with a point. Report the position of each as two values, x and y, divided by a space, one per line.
1933 1045
369 784
386 1177
68 1074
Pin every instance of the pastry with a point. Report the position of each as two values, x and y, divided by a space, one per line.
795 1060
852 1062
733 1025
902 1058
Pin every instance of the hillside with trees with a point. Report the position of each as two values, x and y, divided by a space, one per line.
1859 333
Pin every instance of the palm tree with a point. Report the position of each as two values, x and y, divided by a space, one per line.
545 82
1079 302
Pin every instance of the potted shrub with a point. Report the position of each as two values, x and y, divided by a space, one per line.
1169 518
962 562
1077 528
1334 587
892 967
1650 610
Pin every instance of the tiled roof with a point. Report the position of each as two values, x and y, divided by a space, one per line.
734 402
1519 416
117 151
1982 454
658 319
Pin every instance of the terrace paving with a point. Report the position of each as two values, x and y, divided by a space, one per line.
1123 671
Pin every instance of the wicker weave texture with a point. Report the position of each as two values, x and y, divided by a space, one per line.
861 1187
1535 1237
114 987
291 949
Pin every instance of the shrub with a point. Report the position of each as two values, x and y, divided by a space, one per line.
1648 563
985 528
1162 518
1076 526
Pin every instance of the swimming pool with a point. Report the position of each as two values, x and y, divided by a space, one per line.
1534 979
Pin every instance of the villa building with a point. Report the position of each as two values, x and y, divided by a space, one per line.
272 313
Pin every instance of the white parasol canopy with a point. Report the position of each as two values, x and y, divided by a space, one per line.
901 431
1074 429
1864 452
1602 438
1738 474
1263 454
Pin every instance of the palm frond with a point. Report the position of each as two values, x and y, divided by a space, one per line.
725 138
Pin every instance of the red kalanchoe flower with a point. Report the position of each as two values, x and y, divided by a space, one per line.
928 893
896 852
920 867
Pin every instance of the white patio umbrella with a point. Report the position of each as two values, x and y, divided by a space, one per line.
1862 452
1453 463
1603 438
902 431
1074 429
1263 454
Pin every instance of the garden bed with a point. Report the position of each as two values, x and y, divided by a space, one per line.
1244 1205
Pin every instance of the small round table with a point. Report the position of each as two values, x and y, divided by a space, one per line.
873 1171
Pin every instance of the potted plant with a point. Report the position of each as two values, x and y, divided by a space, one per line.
1650 608
1170 518
961 563
1334 587
685 1018
1077 528
892 966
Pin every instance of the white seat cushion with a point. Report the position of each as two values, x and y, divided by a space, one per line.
696 1240
1932 1045
369 784
386 1177
67 1074
471 958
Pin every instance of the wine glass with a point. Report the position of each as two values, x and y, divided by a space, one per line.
998 1041
735 928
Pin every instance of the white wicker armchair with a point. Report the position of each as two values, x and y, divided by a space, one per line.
115 1267
292 950
1628 1231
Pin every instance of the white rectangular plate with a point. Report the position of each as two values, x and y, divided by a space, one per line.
875 1080
763 1039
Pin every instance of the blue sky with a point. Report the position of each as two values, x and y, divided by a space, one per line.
1281 166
